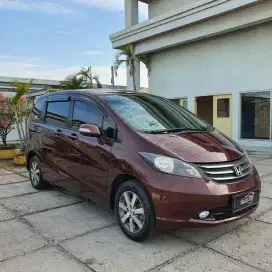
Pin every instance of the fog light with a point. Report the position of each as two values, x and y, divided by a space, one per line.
204 214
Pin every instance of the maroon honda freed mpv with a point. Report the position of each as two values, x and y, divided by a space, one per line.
154 163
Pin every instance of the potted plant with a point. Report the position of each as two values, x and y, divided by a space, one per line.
7 121
22 107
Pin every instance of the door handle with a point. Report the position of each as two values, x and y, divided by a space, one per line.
59 132
73 136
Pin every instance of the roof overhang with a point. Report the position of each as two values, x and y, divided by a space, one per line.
205 19
145 1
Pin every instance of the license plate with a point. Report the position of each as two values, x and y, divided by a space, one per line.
244 201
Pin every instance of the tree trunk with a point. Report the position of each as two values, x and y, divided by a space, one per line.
18 130
22 131
134 83
26 130
4 139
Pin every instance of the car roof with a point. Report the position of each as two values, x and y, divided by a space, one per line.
94 92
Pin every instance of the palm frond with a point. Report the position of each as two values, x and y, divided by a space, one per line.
21 90
126 55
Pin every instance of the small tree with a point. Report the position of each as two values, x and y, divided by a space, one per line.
7 117
72 82
89 78
22 108
126 55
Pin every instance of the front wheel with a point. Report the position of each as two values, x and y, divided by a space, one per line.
134 211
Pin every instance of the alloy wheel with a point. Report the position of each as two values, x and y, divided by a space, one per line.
35 173
131 212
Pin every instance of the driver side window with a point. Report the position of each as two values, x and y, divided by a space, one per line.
86 113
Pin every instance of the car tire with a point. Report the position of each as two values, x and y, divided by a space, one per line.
35 174
134 211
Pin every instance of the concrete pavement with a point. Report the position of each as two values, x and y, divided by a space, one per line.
54 231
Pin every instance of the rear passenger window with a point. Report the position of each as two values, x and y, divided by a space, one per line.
86 113
57 113
37 110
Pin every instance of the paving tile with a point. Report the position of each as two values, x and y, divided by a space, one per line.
265 162
266 190
5 214
24 174
263 167
264 206
16 239
67 222
110 250
42 260
251 243
11 178
16 189
205 260
4 172
204 235
38 202
263 174
267 179
18 169
267 217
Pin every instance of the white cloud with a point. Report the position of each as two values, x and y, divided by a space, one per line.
31 68
34 6
111 5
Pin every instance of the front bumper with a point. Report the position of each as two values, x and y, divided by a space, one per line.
180 203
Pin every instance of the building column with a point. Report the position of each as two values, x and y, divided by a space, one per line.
132 18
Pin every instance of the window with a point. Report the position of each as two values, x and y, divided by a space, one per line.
57 113
255 115
38 107
109 128
148 113
86 113
223 108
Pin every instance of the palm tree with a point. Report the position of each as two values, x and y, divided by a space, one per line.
21 90
89 78
127 52
73 82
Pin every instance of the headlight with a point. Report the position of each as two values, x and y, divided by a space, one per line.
170 165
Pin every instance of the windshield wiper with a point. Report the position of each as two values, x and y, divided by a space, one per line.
183 130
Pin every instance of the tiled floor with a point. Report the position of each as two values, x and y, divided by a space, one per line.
54 231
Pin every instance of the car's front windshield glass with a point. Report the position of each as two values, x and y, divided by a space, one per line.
147 113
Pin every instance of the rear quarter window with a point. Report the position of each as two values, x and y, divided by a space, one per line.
37 110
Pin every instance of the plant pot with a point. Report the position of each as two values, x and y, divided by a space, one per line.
7 154
19 160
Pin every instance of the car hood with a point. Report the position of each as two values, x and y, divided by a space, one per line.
198 147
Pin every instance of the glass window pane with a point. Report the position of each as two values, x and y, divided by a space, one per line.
38 107
151 113
57 113
223 108
255 115
86 113
109 128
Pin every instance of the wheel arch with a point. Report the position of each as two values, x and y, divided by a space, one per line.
118 181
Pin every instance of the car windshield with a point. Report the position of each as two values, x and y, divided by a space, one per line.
153 114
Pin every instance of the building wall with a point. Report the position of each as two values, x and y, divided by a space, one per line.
233 63
159 7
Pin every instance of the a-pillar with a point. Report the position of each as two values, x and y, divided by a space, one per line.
132 18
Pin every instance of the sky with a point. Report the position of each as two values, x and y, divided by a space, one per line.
50 39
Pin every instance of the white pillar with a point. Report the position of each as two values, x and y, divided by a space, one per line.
131 13
132 18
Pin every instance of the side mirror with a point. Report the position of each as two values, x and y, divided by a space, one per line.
89 130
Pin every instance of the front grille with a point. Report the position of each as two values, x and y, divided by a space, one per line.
224 172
